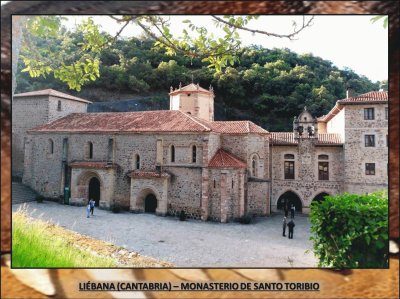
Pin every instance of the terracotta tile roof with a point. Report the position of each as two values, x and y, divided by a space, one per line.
84 164
232 127
134 122
50 92
372 97
369 97
287 138
145 121
147 174
224 159
189 88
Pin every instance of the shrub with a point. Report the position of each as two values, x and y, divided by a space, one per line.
351 230
39 198
182 216
245 219
115 208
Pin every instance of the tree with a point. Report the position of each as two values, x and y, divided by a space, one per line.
218 53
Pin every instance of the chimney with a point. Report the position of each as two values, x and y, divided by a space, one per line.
349 92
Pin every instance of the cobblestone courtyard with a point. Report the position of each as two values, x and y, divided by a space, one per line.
190 243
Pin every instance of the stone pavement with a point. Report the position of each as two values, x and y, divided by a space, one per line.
191 243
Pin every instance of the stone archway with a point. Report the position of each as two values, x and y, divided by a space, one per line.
287 199
320 197
147 200
94 190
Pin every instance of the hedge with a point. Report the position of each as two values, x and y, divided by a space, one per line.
351 230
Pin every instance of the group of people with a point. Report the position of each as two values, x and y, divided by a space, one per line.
90 208
289 224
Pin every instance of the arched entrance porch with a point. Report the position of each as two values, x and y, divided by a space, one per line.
320 197
288 199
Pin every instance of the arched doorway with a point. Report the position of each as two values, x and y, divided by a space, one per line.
320 197
287 199
150 203
94 190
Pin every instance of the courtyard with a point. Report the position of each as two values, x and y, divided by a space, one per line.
190 243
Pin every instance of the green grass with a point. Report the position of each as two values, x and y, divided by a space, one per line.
33 246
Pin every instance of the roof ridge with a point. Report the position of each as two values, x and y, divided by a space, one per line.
195 120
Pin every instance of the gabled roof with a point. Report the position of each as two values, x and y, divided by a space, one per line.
372 97
224 159
190 88
287 138
369 97
88 164
133 122
147 174
50 92
173 121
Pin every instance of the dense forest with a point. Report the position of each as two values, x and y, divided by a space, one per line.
267 86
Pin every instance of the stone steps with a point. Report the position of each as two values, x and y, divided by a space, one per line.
22 193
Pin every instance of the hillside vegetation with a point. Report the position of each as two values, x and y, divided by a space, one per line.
267 86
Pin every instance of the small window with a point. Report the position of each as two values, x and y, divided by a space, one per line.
323 157
188 94
289 156
289 170
89 153
254 165
369 140
323 171
214 184
172 153
232 183
386 113
369 113
50 147
194 154
59 106
370 168
137 162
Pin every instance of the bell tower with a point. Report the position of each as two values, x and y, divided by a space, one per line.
305 126
194 100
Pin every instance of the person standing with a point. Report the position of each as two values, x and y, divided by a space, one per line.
291 226
284 226
292 210
88 211
92 203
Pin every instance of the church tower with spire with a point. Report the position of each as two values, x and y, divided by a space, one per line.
193 99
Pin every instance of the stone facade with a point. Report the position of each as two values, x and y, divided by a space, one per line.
218 171
37 108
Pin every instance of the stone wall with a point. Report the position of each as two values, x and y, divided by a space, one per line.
306 183
258 203
356 154
30 112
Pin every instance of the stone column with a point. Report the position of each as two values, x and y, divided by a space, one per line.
224 197
204 182
241 192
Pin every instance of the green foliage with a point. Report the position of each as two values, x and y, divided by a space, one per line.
33 246
39 199
268 86
385 20
351 231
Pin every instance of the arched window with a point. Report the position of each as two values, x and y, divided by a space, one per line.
289 156
50 147
137 162
59 106
254 165
194 154
89 152
323 157
214 184
172 153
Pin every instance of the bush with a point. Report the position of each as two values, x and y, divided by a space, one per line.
351 231
246 219
39 199
115 208
182 216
